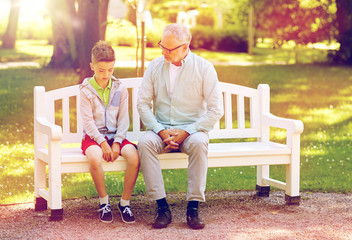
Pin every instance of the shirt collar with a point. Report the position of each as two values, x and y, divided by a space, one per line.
96 85
187 58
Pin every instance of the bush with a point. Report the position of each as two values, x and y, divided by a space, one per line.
204 37
226 39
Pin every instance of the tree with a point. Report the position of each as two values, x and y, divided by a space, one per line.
103 13
77 26
88 34
285 20
65 33
9 38
344 26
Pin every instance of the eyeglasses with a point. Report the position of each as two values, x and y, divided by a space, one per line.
168 51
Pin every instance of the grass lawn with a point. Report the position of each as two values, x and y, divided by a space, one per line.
319 95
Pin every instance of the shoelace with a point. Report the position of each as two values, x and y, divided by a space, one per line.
105 209
128 210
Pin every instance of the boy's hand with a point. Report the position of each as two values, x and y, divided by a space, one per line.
107 152
115 151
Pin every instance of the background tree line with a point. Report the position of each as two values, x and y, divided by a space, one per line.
78 24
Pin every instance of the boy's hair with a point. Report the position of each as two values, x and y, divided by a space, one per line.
102 52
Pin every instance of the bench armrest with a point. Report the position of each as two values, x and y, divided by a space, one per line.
53 131
293 126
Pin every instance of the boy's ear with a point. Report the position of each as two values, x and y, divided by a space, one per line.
91 66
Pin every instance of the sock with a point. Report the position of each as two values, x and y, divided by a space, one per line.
192 204
124 202
162 203
104 200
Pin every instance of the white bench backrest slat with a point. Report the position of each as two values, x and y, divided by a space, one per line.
225 128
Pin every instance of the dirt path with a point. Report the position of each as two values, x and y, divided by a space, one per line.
229 215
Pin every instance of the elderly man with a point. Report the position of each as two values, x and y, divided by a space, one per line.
185 93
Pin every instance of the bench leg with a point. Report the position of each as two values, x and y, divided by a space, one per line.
56 215
292 200
55 196
262 172
40 204
263 191
39 183
293 174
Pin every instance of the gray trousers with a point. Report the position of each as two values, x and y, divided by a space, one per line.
195 146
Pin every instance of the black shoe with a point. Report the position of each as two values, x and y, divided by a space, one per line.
162 218
105 214
126 214
193 219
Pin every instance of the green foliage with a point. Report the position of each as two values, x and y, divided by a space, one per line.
285 20
121 33
35 29
226 39
204 37
206 17
235 13
154 32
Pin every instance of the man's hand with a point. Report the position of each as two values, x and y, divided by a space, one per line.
115 151
107 152
180 135
173 138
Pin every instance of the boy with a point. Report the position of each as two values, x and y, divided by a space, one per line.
104 109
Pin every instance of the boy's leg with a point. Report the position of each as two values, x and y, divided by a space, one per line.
129 152
95 156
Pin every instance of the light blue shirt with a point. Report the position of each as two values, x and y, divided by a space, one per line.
196 104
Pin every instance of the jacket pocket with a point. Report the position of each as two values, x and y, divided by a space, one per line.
115 102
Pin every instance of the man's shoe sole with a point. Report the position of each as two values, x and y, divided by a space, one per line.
161 226
196 226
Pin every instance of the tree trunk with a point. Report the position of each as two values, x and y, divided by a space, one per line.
344 25
9 38
89 32
76 31
103 17
64 38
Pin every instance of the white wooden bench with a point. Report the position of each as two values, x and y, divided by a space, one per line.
247 115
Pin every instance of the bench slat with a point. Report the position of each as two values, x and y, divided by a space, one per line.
220 155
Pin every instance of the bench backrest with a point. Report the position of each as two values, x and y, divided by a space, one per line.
242 111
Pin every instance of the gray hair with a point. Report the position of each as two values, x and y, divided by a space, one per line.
180 31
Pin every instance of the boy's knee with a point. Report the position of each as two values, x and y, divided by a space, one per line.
95 162
133 159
